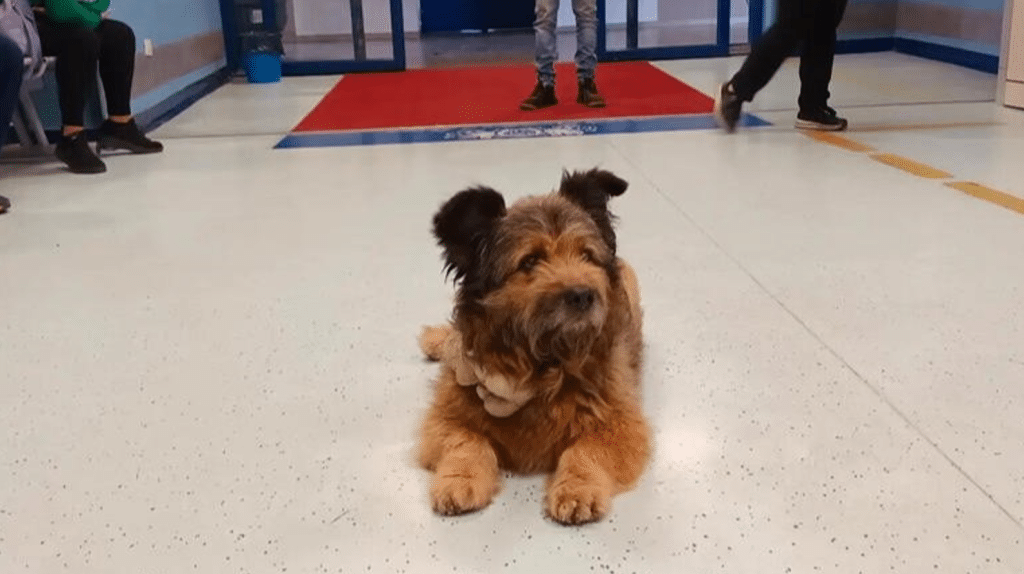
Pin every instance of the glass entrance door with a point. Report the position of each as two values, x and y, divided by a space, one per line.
665 29
323 36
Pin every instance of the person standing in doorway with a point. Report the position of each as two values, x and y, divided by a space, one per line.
811 22
544 26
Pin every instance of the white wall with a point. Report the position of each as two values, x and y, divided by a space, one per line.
1012 74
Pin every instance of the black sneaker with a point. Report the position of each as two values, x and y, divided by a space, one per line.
727 108
75 151
588 95
541 97
5 204
823 119
116 135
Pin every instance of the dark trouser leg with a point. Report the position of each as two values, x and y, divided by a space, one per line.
77 50
11 69
777 44
117 65
819 53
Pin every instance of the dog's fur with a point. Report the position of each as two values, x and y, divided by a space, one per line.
544 301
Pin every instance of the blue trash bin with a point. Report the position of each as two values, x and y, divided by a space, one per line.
262 56
263 67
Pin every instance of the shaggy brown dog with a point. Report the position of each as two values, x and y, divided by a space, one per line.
541 365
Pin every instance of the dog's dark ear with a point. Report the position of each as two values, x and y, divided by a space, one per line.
465 224
591 190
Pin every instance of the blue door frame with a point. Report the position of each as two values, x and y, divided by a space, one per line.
454 16
233 36
721 47
755 27
395 64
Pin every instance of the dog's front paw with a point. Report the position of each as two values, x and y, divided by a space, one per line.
578 502
433 341
451 495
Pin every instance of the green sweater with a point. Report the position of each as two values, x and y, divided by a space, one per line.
74 11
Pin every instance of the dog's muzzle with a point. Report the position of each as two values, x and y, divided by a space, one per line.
579 299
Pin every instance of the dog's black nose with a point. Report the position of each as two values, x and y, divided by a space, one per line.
579 298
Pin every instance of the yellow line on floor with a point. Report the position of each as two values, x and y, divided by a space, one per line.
988 194
1011 202
912 127
839 141
910 166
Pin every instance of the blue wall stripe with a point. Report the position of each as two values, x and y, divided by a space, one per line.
923 49
864 45
181 100
949 54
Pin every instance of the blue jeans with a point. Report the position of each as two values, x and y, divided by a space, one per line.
586 38
11 68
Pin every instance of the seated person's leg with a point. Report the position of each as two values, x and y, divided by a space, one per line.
117 69
77 51
11 70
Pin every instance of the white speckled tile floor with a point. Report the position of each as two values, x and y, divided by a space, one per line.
208 359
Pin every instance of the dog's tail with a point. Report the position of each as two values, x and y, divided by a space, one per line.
433 341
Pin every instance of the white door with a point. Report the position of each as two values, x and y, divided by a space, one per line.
1014 95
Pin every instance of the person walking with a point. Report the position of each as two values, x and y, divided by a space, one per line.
812 23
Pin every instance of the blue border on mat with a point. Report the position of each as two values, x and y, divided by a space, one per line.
949 55
568 128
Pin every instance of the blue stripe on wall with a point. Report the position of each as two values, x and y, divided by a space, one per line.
161 112
949 54
996 5
930 49
864 45
168 90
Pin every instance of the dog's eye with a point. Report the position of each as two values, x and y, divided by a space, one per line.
529 262
589 256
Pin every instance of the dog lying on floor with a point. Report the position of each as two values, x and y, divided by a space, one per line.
540 367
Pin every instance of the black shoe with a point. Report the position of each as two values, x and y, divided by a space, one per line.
5 204
728 106
588 95
541 97
75 151
823 119
116 135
